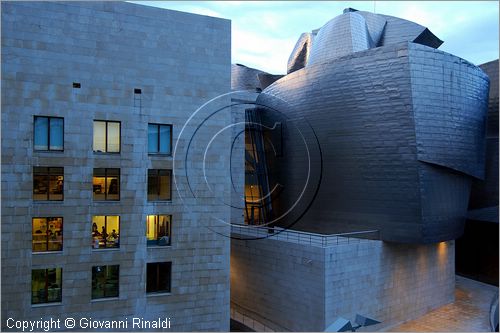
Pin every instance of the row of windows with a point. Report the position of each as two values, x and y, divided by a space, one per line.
46 284
49 136
47 232
48 184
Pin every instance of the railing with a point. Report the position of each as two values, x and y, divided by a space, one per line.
246 232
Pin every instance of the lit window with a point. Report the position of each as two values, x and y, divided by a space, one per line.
159 139
47 234
48 183
158 277
159 185
106 184
105 232
105 281
106 136
46 285
49 133
158 229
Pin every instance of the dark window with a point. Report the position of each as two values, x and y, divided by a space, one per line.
46 285
137 91
77 85
158 277
47 234
105 281
158 230
107 136
159 139
105 232
49 133
48 183
159 185
106 184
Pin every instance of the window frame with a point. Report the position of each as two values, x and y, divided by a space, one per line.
48 175
158 183
46 243
158 153
105 241
46 289
48 133
157 280
156 242
106 184
105 282
106 136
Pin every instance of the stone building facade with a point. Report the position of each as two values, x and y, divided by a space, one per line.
94 98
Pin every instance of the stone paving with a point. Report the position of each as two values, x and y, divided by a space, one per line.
469 312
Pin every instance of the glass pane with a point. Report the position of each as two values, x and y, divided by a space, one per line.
98 281
164 230
54 279
164 276
151 229
41 133
152 185
113 231
100 136
98 232
38 286
151 277
55 234
39 234
113 187
56 134
113 137
56 183
152 138
165 139
99 185
112 281
165 185
40 186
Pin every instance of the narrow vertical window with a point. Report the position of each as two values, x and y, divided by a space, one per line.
105 281
49 133
159 139
46 285
159 185
107 136
47 234
48 183
158 277
106 184
158 230
105 232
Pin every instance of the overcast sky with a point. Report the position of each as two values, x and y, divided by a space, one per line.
264 32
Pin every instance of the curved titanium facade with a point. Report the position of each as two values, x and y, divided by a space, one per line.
400 141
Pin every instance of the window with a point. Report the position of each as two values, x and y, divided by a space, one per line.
158 230
159 185
47 234
158 277
105 232
159 139
48 183
105 281
46 285
49 133
106 184
106 136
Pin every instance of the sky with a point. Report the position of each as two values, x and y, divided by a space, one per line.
265 32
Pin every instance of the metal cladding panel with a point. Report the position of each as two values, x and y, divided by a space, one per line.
344 34
450 102
398 30
361 109
300 53
244 78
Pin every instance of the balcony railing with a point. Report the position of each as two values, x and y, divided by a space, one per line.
246 232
